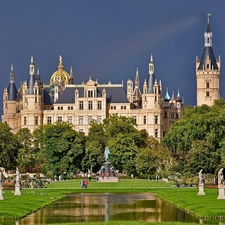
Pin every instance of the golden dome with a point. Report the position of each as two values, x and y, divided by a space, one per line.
60 76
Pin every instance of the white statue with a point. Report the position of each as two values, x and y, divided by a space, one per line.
17 175
220 177
201 178
106 153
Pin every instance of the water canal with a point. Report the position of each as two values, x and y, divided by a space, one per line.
107 207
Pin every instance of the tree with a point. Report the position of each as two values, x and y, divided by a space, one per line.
61 148
26 154
155 159
9 146
95 145
202 156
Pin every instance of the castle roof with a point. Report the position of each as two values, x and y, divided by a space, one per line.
113 95
12 91
208 54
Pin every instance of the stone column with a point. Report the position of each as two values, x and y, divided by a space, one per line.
1 196
201 189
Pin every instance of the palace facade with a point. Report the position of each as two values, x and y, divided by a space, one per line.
35 104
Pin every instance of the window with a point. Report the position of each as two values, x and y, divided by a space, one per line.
58 108
36 99
36 120
90 93
155 98
25 120
81 105
89 119
59 119
99 119
144 120
156 133
207 66
61 108
71 108
156 119
165 115
81 120
99 104
121 107
114 107
207 93
125 107
70 119
81 130
90 106
135 119
49 119
207 84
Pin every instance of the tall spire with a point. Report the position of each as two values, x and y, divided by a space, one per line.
12 90
151 77
137 81
31 79
71 75
32 69
208 34
12 75
208 55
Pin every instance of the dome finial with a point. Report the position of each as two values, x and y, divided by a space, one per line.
60 66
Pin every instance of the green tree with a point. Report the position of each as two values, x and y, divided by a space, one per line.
95 145
202 156
26 155
61 148
155 159
9 146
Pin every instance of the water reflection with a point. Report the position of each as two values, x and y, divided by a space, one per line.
107 207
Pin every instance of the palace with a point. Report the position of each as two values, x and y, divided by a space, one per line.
35 104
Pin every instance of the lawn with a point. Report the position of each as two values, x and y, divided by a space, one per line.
186 198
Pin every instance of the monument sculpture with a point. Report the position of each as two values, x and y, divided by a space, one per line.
17 184
201 183
221 184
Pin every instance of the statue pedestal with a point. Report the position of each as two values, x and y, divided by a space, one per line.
17 189
1 196
201 189
221 192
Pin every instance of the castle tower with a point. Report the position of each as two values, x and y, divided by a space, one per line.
32 100
152 98
10 102
208 72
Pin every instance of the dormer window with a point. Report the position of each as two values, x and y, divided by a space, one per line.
90 93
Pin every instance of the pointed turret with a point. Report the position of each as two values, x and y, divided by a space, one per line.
137 92
38 77
71 75
31 79
178 98
12 90
151 77
167 97
208 55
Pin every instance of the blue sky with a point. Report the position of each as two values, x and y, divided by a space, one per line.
109 39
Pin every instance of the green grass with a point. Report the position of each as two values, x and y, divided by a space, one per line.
185 198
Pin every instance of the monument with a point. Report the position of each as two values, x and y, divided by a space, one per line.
201 183
1 196
221 184
17 184
107 171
